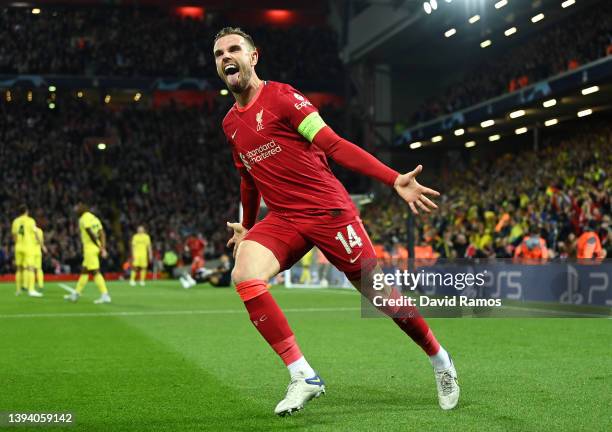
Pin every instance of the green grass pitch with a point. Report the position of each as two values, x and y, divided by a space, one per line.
161 358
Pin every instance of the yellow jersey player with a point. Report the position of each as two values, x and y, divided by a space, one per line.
93 239
141 253
37 251
24 234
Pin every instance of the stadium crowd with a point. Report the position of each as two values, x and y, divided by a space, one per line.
169 169
161 168
124 42
580 39
555 194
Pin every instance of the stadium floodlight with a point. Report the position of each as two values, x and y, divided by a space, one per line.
585 112
487 123
434 4
536 18
35 11
224 92
137 97
517 114
551 122
29 95
450 32
51 105
52 88
500 4
459 132
470 144
415 145
437 138
495 137
101 146
510 31
474 19
549 103
107 98
79 94
520 130
485 44
8 96
567 3
427 8
589 90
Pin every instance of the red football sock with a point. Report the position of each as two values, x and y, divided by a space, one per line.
412 323
269 319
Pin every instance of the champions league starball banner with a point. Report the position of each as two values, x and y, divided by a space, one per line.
499 288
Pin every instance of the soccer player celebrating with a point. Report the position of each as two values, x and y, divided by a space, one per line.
141 252
280 144
25 238
93 239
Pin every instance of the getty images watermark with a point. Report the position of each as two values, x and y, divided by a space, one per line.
488 288
405 280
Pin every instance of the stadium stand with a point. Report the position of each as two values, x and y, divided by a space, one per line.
564 46
560 191
170 167
121 42
152 172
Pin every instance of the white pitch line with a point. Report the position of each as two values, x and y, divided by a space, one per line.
556 311
157 313
66 287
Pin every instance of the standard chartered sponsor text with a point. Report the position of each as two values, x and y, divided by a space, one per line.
263 151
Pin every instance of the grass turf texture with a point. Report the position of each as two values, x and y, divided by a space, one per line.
163 358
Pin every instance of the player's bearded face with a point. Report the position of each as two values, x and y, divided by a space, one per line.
235 61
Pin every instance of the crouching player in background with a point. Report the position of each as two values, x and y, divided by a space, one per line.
141 253
220 277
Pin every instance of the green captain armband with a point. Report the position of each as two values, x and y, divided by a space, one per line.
311 124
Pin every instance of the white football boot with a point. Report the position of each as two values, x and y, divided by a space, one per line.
73 297
132 283
300 391
34 293
104 298
448 387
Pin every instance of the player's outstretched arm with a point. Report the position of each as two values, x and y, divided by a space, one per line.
411 191
357 159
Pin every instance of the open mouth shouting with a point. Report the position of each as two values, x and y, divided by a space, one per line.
232 74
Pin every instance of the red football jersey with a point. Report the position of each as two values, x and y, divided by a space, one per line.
291 174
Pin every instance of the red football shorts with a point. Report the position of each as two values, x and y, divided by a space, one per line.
339 234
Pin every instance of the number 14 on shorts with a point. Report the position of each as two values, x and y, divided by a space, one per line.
353 239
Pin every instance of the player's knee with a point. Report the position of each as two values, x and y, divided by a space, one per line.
243 273
239 274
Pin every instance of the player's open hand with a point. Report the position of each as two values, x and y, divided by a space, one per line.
239 233
103 253
413 192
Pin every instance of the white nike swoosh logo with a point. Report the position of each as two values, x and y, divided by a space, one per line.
234 134
356 258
